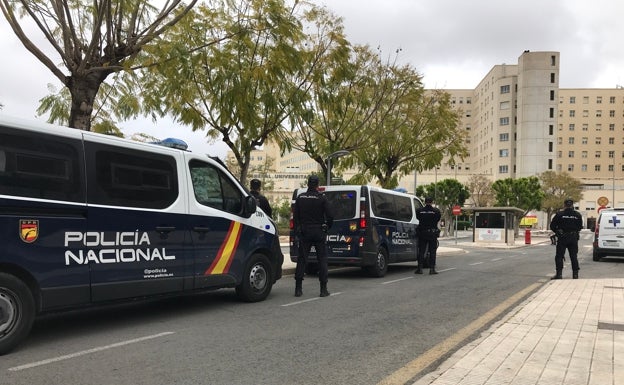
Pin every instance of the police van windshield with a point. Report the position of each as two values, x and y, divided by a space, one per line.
342 203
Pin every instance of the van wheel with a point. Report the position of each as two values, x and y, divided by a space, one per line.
380 268
17 312
257 279
596 256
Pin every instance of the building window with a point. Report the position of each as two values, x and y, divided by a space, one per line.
611 154
597 167
584 140
611 140
553 60
584 154
598 127
571 140
598 140
504 121
585 113
503 169
504 137
597 154
572 113
599 100
504 105
612 113
552 77
504 89
552 95
611 99
552 112
570 167
550 129
570 154
571 127
612 127
610 168
503 153
585 99
585 127
598 113
550 146
583 167
572 99
559 154
468 100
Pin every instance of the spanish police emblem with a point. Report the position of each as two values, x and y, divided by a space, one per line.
29 230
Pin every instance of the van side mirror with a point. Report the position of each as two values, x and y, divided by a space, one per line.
249 206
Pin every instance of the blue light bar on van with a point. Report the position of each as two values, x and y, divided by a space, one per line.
173 143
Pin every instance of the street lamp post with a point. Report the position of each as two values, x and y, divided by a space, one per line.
336 154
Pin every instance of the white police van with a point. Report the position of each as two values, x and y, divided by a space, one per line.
373 227
88 219
609 234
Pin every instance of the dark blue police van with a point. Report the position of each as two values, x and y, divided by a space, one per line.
373 227
89 219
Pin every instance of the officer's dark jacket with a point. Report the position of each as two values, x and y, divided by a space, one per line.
312 209
263 203
567 221
428 217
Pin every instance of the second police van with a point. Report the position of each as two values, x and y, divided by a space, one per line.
372 228
89 219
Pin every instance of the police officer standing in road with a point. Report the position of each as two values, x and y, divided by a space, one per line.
428 233
567 224
312 218
263 202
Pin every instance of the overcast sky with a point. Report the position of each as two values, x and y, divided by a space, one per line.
452 43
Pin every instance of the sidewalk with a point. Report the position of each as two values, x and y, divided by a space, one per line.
569 332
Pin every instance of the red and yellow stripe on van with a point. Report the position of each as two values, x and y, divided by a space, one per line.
222 262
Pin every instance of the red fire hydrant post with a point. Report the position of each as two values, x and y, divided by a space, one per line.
527 237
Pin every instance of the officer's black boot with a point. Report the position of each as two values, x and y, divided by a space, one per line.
557 275
418 270
432 271
575 274
298 289
324 292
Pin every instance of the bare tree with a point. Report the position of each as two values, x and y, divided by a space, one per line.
92 38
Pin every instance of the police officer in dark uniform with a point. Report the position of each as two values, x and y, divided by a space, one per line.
567 224
428 233
312 218
263 202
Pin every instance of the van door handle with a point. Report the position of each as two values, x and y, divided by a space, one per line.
164 231
201 229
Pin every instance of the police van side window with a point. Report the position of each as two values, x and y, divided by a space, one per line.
214 189
404 208
40 166
124 177
383 205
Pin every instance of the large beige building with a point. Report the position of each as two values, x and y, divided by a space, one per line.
519 123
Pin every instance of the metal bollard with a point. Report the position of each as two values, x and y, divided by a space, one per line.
527 237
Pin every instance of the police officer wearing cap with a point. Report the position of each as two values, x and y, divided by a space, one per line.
567 224
312 218
428 233
263 202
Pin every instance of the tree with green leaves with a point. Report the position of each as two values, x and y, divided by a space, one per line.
416 131
446 194
481 193
523 193
557 187
245 79
92 40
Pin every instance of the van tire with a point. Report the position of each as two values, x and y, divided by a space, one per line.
596 257
380 268
257 279
17 312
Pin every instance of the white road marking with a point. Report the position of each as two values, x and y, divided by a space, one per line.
476 263
308 300
85 352
496 259
397 280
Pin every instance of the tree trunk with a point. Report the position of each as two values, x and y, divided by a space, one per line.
83 90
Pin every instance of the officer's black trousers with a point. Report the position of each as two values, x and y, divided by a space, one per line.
567 242
312 237
427 242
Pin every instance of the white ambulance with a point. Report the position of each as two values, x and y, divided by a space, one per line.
609 234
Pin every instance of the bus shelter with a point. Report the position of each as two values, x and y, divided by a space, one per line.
495 224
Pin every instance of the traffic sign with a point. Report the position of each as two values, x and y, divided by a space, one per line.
603 201
456 210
